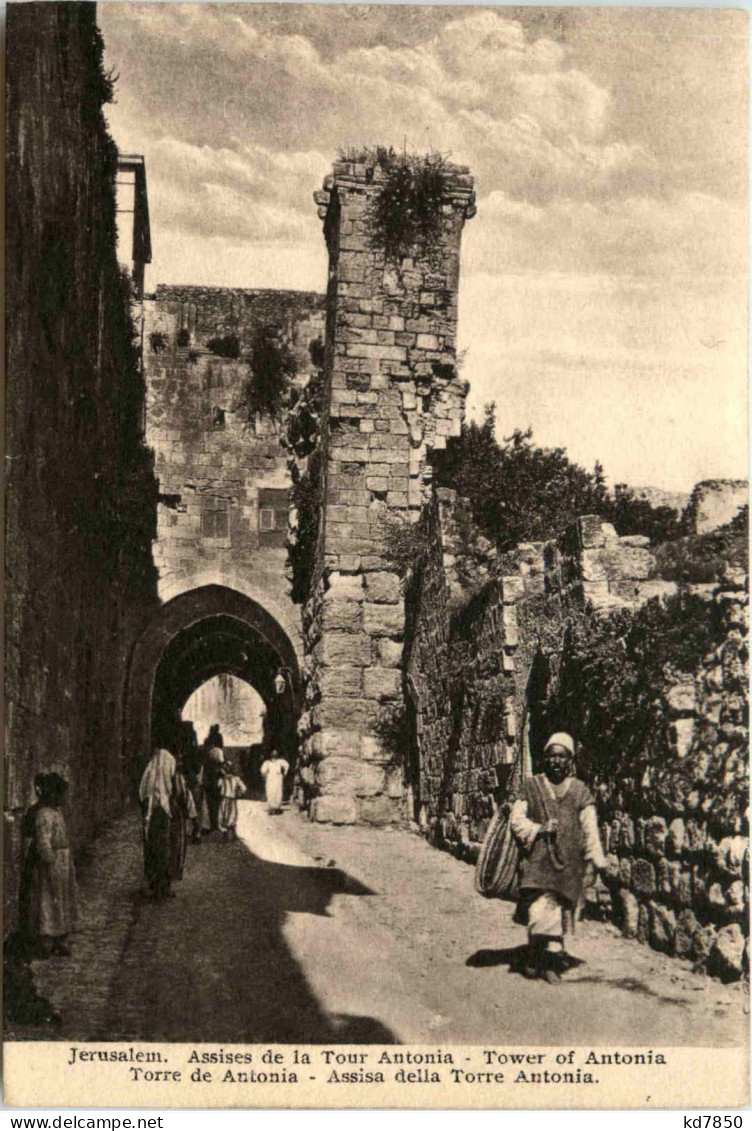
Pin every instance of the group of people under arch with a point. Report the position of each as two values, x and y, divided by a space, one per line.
192 794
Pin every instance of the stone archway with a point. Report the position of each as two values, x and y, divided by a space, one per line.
197 635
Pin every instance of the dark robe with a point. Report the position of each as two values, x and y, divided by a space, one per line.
158 844
538 867
27 869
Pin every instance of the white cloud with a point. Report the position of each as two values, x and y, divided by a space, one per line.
508 106
688 234
603 294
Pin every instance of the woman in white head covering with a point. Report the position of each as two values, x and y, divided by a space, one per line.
555 823
156 794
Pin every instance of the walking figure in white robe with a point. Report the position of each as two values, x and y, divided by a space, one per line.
273 771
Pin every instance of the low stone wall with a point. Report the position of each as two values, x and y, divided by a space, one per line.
677 876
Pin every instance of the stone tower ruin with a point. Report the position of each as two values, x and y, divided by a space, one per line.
392 395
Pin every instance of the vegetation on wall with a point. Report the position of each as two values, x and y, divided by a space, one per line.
405 544
613 679
305 500
698 558
406 215
520 492
303 440
271 367
227 346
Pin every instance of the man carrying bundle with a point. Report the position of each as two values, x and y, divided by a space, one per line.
555 824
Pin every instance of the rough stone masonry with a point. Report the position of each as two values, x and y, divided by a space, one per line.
392 394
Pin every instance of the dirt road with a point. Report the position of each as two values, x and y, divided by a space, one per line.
307 933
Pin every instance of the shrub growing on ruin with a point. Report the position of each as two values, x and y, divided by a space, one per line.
405 544
698 558
271 367
158 341
228 347
305 502
406 215
612 684
303 440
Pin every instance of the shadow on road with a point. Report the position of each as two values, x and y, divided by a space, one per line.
513 957
212 965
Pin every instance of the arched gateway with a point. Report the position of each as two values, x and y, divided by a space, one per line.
197 635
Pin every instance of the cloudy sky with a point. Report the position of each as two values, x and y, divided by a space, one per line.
604 285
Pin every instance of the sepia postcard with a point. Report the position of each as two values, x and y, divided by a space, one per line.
376 620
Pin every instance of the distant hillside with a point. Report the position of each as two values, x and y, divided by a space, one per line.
657 497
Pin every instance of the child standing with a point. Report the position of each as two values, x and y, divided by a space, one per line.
231 787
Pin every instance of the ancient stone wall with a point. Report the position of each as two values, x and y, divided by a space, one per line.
223 478
391 396
80 490
715 502
677 876
482 673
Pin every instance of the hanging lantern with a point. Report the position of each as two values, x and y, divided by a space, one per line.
280 683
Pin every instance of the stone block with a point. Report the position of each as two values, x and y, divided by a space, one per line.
350 776
513 588
389 653
339 712
686 927
395 785
662 927
640 541
380 810
383 620
625 872
340 615
702 944
382 683
611 871
345 586
627 562
681 736
590 532
591 566
726 958
343 648
643 878
735 899
629 910
684 889
715 897
509 619
334 810
655 833
669 872
681 698
373 749
643 924
730 854
624 834
341 681
383 588
341 743
676 837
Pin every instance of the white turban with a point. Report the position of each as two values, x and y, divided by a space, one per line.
561 739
